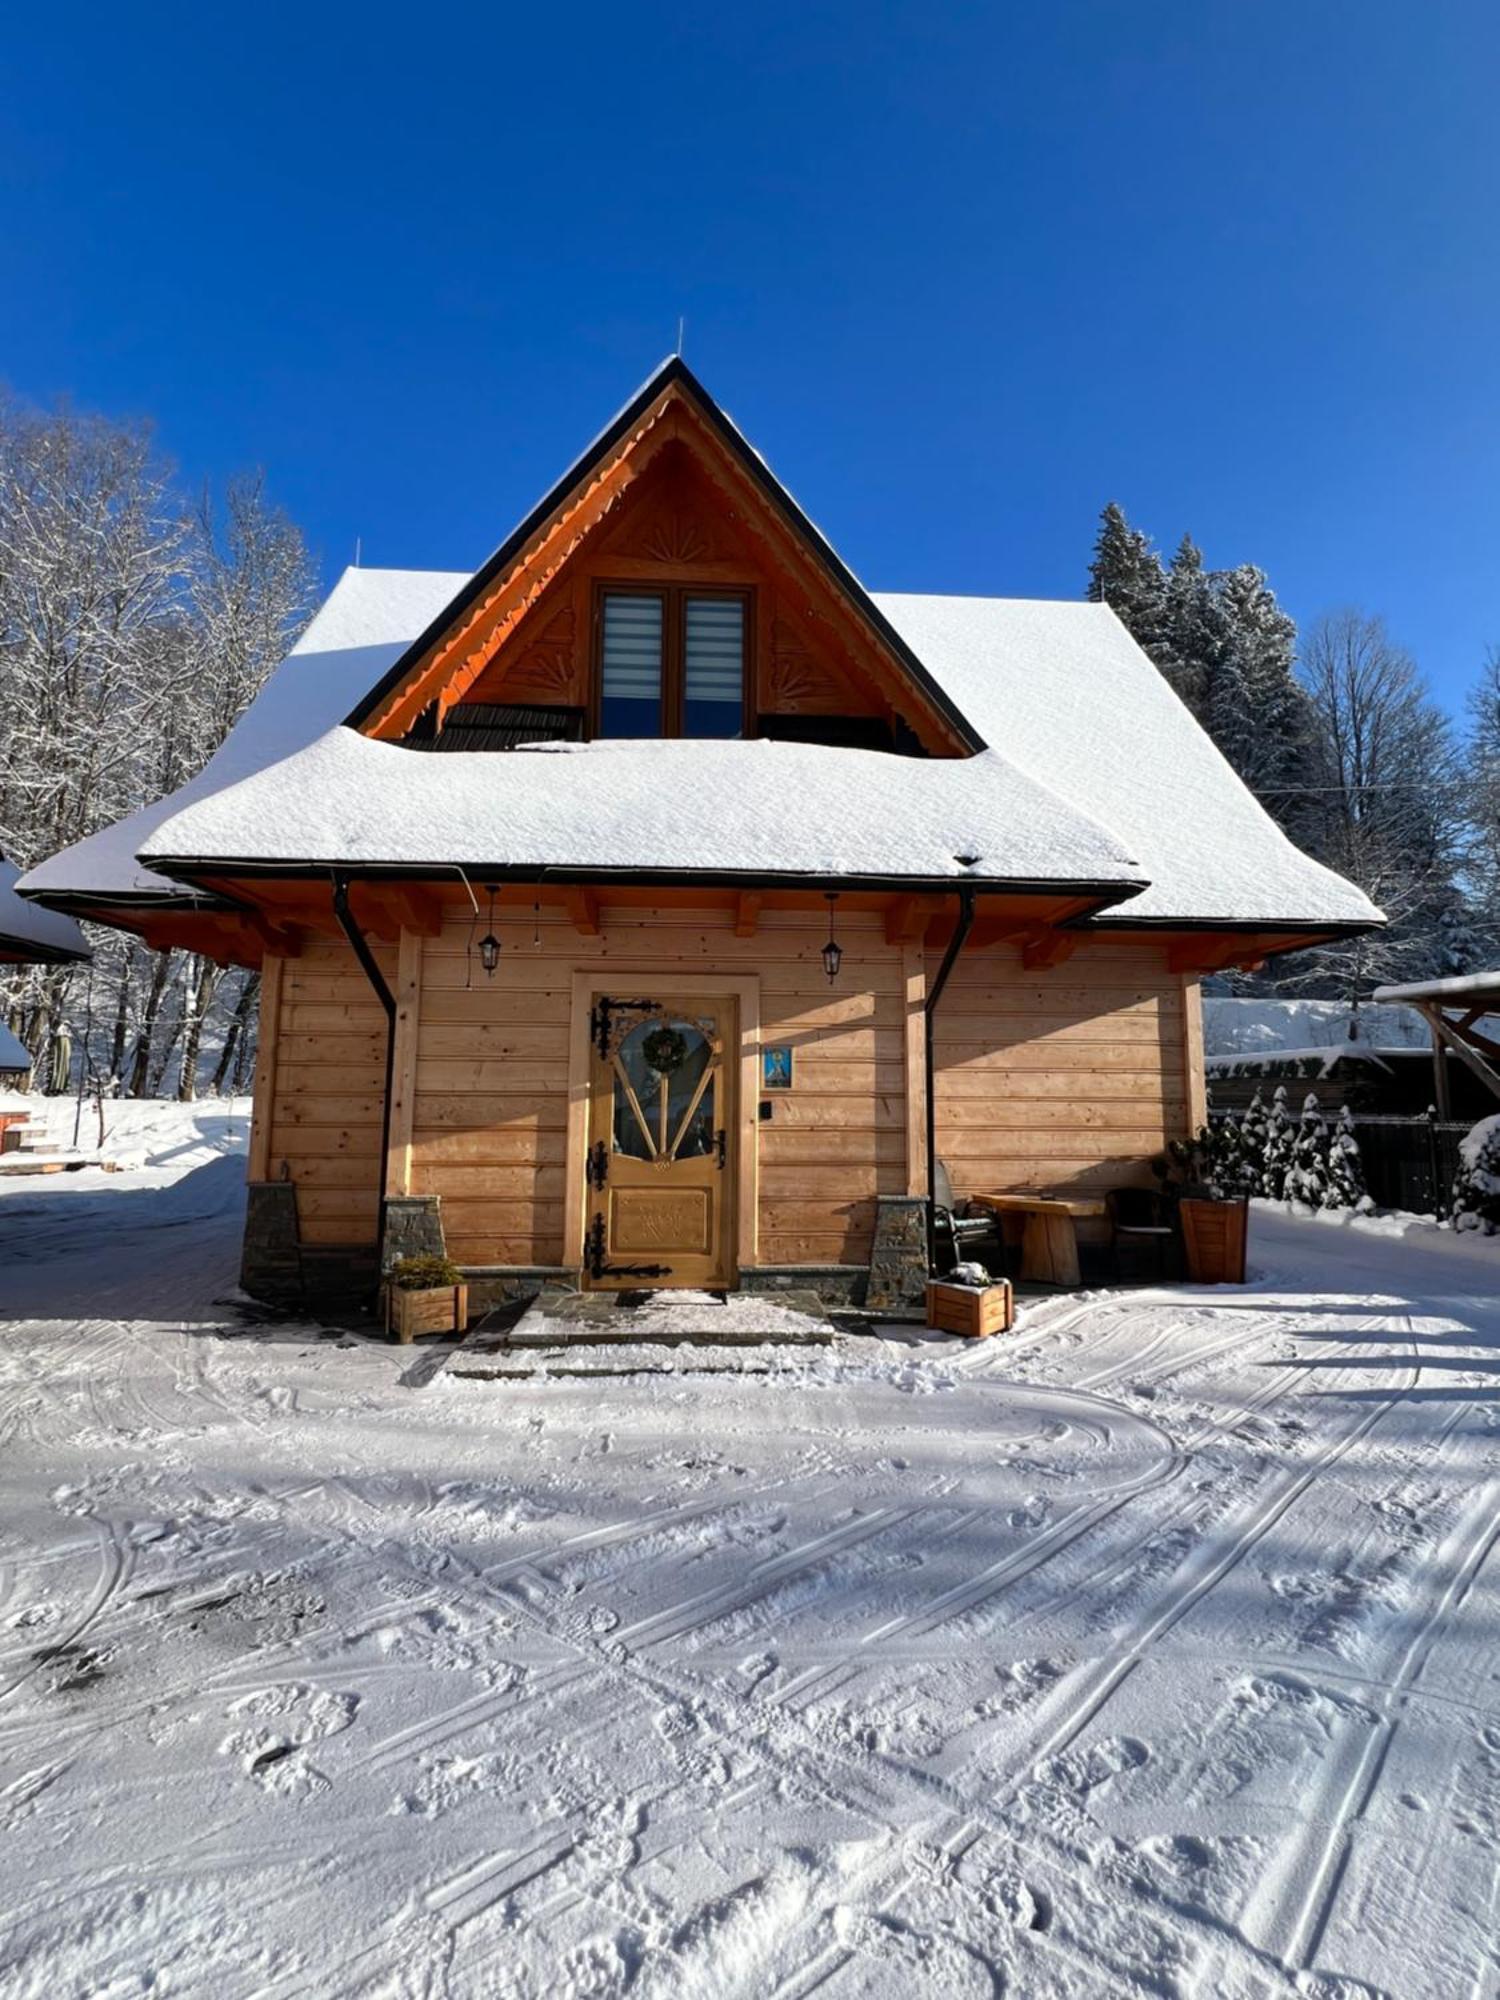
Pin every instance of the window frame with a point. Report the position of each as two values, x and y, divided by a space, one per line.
673 597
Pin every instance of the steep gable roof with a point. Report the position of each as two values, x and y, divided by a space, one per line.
511 581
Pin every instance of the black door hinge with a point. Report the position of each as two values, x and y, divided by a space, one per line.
596 1165
721 1146
601 1018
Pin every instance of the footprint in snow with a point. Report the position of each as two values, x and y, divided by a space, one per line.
280 1725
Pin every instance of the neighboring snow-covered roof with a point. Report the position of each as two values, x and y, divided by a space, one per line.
14 1053
1453 992
30 934
757 808
1064 691
1235 1027
365 623
1124 782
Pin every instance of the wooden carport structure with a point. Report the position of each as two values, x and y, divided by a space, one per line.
1461 1013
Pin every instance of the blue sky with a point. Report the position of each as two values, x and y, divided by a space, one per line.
962 272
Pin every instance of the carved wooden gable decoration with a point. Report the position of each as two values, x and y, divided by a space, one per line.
670 496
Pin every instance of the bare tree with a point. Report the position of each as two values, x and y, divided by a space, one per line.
133 632
1385 802
1482 801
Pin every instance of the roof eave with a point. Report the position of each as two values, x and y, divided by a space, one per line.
187 869
29 951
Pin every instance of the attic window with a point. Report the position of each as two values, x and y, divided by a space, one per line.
672 663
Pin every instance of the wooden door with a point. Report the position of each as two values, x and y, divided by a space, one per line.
660 1160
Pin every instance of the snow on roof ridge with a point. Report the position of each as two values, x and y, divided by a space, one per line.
1435 989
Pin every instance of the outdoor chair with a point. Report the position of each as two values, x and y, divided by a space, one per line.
1138 1221
964 1239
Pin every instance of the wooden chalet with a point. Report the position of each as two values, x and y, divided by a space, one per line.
656 905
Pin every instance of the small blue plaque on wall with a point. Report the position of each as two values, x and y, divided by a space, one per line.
776 1067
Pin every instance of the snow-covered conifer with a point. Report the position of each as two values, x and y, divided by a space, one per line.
1280 1141
1476 1191
1346 1170
1307 1174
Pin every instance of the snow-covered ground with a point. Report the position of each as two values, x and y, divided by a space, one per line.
1147 1651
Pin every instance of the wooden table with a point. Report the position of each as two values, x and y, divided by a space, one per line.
1049 1237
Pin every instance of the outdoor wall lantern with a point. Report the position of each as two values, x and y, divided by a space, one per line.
833 951
489 944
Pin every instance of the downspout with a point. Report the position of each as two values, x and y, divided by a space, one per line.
360 945
935 993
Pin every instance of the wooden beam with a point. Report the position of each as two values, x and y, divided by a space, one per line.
263 1096
420 910
996 930
907 918
283 939
582 906
1468 1056
404 1064
1044 949
1208 954
1195 1076
914 986
747 913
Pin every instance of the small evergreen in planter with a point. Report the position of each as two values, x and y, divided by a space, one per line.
424 1274
1213 1216
425 1294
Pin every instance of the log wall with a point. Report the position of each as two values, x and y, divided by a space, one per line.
1067 1078
325 1065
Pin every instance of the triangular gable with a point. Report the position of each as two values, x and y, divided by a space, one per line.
510 600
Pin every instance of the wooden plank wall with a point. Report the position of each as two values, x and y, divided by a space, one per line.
489 1123
329 1073
1070 1078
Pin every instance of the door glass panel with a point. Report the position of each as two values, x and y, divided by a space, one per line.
630 695
713 647
666 1090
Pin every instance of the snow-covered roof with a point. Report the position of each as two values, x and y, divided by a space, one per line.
1064 691
30 933
1446 992
365 623
1236 1026
1097 772
14 1053
757 808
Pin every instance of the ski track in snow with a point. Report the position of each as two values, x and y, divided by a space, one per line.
1147 1651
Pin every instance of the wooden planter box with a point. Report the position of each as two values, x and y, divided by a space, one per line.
1213 1238
967 1309
444 1309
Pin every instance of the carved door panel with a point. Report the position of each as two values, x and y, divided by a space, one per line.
660 1166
